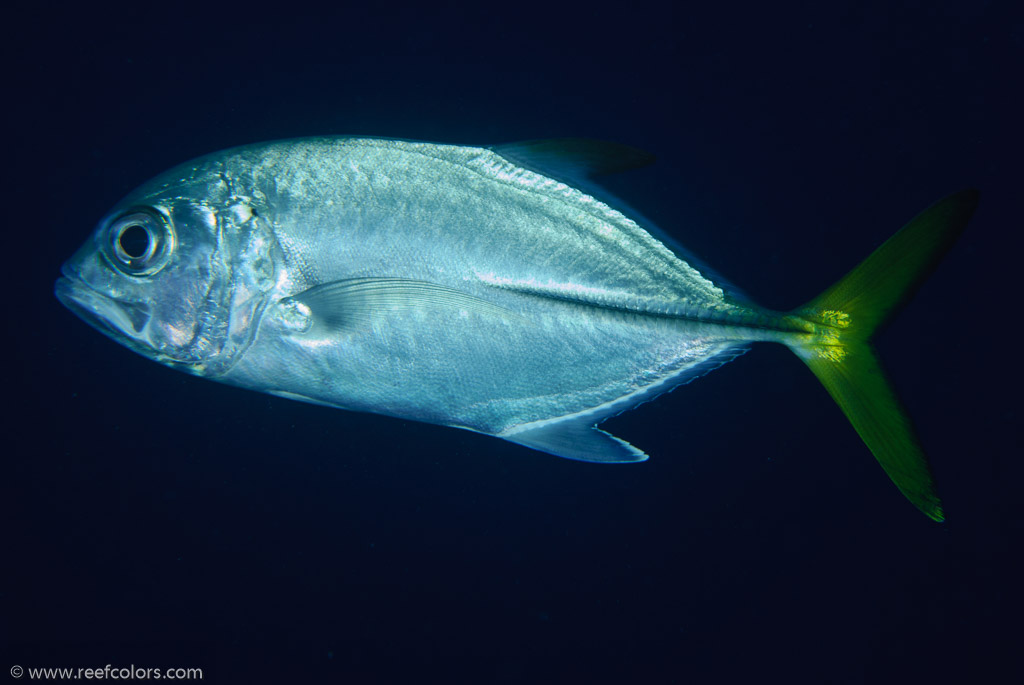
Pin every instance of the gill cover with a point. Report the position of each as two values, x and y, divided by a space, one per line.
178 272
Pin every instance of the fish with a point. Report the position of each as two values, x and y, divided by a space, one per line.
494 289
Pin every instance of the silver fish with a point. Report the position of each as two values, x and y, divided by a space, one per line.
480 288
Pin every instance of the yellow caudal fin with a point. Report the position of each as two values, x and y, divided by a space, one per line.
846 316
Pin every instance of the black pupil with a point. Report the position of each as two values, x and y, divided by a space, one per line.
134 240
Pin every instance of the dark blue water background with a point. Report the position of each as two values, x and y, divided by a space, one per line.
158 519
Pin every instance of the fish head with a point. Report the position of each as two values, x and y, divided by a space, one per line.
177 272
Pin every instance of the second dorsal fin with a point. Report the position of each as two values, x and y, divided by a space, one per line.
574 157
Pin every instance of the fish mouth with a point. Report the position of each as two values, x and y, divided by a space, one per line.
123 321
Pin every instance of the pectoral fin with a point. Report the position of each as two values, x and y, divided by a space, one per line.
354 302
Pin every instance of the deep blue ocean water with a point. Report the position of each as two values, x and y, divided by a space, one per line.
155 519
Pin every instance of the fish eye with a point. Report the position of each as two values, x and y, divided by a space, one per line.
134 242
140 242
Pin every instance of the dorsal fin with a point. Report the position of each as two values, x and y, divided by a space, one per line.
569 158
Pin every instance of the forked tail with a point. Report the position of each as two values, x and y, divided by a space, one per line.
843 320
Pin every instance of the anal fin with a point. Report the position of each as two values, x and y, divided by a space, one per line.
577 439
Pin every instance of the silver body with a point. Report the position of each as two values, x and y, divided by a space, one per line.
477 293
